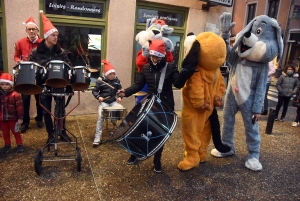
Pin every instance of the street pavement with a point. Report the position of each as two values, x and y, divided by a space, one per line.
105 175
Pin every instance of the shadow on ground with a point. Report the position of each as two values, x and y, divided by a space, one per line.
106 176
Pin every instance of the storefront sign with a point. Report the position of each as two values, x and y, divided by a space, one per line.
172 19
93 8
227 3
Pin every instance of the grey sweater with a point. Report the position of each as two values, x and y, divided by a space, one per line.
287 85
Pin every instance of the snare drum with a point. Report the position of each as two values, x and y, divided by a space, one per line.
80 78
25 74
146 128
57 74
114 113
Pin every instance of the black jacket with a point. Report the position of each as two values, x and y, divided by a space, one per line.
103 90
150 74
42 55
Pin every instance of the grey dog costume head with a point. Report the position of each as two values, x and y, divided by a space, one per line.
260 40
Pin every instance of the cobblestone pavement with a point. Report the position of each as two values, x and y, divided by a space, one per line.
105 175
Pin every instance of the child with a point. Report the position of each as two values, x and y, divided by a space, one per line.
11 113
286 86
106 96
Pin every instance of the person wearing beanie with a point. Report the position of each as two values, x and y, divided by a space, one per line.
150 74
23 48
11 113
48 50
106 96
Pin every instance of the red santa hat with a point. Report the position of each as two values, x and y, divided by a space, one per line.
29 21
108 68
6 77
48 26
157 48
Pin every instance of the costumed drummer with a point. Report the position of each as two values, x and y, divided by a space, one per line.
150 74
106 96
46 51
23 48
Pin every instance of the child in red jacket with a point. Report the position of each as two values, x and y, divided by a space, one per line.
11 112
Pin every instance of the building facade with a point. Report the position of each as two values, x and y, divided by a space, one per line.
92 30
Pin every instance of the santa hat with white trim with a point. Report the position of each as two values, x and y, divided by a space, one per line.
29 21
48 26
6 77
157 48
108 68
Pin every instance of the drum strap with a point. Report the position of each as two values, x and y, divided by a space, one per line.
161 80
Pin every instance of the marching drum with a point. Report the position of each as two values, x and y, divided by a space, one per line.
114 113
146 128
25 74
57 74
80 78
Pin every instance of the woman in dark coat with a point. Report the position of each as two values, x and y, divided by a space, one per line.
150 75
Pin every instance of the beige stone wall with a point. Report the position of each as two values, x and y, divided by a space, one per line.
120 40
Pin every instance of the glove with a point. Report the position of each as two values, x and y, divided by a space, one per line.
226 25
205 106
218 101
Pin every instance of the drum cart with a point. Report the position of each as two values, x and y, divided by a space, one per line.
59 117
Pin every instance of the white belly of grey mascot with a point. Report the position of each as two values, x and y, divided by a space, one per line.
257 44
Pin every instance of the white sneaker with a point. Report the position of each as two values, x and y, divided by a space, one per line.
295 124
96 140
253 164
218 154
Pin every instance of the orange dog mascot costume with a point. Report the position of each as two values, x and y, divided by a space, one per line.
201 93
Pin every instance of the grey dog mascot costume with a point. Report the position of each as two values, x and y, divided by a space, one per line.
257 44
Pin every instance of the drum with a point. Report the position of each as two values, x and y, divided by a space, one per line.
146 128
57 74
25 74
114 113
80 78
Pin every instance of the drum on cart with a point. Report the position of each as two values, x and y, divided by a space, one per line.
80 78
25 76
146 128
58 74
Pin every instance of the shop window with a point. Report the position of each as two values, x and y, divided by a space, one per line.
251 12
1 53
273 8
1 38
174 17
81 25
75 8
83 45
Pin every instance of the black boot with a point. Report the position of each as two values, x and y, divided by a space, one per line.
157 166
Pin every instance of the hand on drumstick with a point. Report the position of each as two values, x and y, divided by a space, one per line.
121 92
119 99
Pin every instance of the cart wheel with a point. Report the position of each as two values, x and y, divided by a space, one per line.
78 159
38 159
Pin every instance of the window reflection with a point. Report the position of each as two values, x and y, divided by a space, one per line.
1 53
83 46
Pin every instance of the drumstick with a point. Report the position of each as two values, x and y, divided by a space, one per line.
106 98
101 80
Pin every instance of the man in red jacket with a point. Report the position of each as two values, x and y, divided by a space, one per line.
22 51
